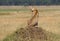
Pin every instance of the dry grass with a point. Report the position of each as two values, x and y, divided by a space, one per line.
49 20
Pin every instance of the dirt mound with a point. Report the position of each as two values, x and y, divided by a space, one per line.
31 34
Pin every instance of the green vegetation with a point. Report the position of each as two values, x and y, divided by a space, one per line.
29 2
7 11
23 10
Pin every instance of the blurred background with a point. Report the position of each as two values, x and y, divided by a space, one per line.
29 2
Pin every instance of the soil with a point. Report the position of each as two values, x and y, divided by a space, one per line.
31 34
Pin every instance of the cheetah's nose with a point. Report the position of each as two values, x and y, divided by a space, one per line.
32 11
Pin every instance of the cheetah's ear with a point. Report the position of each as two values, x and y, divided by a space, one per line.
33 9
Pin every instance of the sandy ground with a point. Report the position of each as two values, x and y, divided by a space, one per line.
49 20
